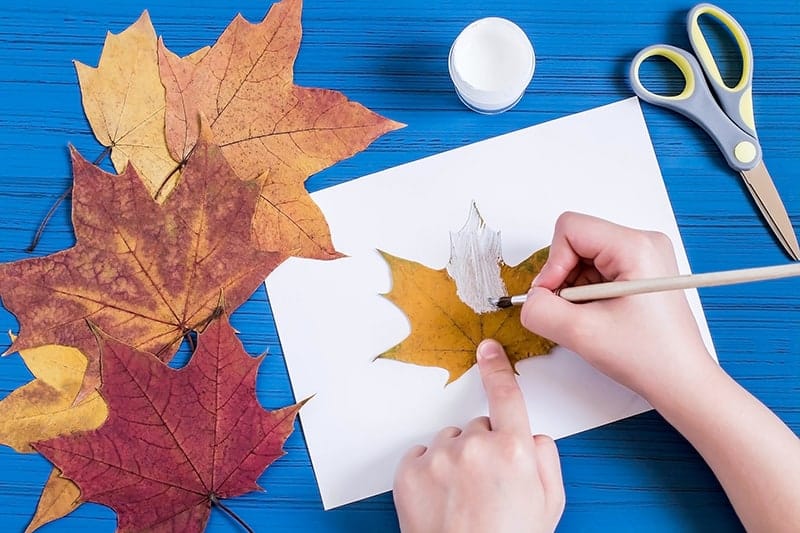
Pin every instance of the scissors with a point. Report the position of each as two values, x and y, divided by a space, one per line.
729 119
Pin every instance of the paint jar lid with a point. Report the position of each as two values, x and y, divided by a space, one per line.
491 64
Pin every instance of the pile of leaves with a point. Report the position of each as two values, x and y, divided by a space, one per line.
211 153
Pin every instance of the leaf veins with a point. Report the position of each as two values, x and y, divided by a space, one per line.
146 273
175 440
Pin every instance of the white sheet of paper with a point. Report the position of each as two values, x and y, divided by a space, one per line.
333 321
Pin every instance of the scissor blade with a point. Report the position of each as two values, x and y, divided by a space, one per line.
769 202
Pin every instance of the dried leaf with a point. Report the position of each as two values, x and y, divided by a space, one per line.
175 440
445 332
43 408
144 272
59 498
288 219
266 125
124 101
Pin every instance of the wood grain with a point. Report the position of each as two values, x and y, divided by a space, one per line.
638 474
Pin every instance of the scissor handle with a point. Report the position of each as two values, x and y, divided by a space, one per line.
741 151
737 101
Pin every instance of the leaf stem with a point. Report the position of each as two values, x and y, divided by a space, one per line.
187 330
180 166
216 502
160 189
190 340
102 156
64 195
43 224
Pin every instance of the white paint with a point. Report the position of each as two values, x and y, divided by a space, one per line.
491 63
475 263
333 320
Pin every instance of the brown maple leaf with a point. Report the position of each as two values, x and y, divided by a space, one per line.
124 101
144 272
267 126
176 441
445 332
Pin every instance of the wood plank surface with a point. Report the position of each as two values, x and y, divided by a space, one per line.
634 475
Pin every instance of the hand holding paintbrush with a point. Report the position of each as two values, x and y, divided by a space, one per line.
617 289
653 345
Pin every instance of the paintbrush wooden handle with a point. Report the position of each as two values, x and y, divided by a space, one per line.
616 289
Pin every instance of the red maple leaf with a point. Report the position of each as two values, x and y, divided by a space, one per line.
143 272
175 441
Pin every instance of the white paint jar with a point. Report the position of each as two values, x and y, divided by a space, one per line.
491 64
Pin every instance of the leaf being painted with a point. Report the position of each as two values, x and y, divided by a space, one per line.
268 127
175 440
124 101
445 331
144 272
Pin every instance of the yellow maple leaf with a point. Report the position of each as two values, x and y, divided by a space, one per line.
60 496
445 332
124 101
43 408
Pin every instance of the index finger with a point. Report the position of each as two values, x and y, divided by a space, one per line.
507 411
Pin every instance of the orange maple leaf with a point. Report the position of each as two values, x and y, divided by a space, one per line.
144 272
445 332
267 127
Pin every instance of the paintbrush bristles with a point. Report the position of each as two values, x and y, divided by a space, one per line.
501 303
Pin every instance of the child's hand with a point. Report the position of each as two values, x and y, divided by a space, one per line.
492 476
647 342
651 343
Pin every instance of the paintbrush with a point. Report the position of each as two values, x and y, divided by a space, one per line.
616 289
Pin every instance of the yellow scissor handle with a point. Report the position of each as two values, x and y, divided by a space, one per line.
679 58
737 101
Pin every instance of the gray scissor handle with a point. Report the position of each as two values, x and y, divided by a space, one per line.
741 150
737 101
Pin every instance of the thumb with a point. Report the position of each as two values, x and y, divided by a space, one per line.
551 316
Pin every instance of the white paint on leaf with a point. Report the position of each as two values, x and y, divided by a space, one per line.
475 263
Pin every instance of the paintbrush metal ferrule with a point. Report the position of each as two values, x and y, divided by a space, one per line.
505 302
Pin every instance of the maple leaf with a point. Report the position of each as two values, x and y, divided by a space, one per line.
266 125
175 441
146 273
124 101
445 332
59 497
44 408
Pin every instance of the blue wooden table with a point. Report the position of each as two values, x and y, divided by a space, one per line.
638 474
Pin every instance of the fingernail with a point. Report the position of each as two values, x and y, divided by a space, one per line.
489 349
533 283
